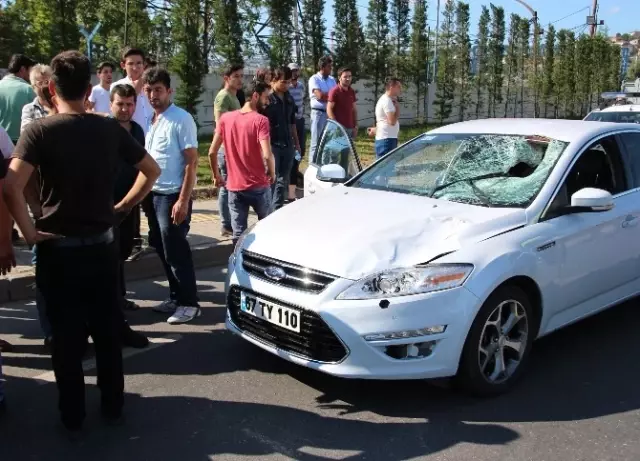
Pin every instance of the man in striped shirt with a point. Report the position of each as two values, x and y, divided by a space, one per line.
296 89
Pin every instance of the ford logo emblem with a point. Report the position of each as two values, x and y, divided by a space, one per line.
275 272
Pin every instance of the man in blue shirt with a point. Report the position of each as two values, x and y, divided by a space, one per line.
319 86
172 141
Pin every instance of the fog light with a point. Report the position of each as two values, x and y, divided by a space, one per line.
434 330
410 351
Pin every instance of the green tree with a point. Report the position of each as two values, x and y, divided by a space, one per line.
462 42
524 30
227 31
634 70
583 73
482 58
564 72
536 68
615 69
314 31
349 37
12 36
496 56
281 36
419 53
511 63
601 58
188 62
400 35
446 67
377 45
548 84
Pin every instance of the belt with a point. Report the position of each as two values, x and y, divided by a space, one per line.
319 110
74 242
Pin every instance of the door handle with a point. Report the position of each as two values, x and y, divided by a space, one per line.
630 222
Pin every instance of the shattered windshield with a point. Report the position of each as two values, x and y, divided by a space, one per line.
481 169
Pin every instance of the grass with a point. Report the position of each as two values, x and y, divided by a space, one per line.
363 143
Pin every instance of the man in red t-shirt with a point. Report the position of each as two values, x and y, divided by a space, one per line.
245 135
342 105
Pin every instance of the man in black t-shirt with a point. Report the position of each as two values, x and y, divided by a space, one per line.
78 155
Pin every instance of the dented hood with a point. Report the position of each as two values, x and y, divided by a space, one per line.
351 232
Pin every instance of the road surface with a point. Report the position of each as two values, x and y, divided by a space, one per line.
199 393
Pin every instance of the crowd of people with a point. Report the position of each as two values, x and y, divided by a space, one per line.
81 161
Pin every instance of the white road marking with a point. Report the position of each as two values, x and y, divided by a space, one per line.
90 364
274 445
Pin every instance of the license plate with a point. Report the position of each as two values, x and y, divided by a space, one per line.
273 313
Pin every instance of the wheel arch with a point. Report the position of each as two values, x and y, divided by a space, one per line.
532 290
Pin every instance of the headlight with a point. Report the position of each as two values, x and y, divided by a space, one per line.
408 281
240 242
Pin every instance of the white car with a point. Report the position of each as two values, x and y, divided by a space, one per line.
447 257
626 113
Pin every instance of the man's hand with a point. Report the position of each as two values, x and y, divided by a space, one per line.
7 258
179 211
371 131
219 180
355 133
40 237
272 177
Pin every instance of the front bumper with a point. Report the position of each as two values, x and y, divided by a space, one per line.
351 321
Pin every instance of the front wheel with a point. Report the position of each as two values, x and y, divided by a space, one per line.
497 348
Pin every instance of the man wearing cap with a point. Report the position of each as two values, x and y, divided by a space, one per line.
296 89
319 86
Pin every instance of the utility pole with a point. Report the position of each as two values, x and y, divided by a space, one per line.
594 23
89 36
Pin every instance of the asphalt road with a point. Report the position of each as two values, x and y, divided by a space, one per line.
200 393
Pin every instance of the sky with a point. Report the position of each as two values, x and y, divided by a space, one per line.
619 15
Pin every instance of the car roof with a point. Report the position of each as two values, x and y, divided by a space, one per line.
623 108
562 130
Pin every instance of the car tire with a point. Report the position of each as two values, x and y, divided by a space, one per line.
480 344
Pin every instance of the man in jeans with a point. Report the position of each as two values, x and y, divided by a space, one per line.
227 100
387 112
281 113
296 89
319 86
245 135
173 142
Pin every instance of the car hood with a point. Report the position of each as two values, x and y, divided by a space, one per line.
351 232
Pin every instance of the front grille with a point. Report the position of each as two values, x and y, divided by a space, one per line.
316 341
296 277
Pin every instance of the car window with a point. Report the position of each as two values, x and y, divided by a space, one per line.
631 142
335 148
616 117
599 166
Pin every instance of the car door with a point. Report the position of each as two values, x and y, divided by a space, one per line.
591 254
335 147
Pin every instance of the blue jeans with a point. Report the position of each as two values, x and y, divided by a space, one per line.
170 242
318 122
284 157
239 203
45 325
223 193
384 146
302 134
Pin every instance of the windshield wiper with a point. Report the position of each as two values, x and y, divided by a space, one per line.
470 180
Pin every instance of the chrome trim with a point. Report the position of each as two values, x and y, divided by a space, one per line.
286 304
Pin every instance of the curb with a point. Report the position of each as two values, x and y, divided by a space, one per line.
22 287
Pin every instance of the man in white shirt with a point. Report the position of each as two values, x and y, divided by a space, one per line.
132 64
387 118
319 86
100 97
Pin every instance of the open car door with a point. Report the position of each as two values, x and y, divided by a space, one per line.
334 161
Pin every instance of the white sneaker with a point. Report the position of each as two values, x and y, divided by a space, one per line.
184 314
168 306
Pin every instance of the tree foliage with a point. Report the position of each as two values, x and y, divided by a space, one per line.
349 37
314 31
496 55
482 58
462 42
228 34
419 52
400 28
445 91
377 45
281 37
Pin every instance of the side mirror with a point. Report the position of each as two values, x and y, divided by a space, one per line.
332 173
592 200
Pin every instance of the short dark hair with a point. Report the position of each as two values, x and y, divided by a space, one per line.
124 90
130 51
342 70
324 61
104 64
231 69
281 73
258 87
18 61
155 75
261 74
392 81
151 63
71 75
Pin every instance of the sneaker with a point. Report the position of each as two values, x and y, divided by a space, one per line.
225 232
168 306
184 314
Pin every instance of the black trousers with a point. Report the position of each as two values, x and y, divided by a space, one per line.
81 289
125 235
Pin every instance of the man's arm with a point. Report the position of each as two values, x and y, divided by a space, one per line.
188 141
7 257
213 159
149 172
355 118
393 112
13 192
267 156
27 116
